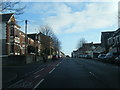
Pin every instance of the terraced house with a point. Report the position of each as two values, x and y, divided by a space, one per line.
114 42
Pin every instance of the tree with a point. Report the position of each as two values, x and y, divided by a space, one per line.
51 40
46 30
56 43
6 6
45 35
81 42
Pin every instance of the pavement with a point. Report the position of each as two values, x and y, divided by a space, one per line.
11 74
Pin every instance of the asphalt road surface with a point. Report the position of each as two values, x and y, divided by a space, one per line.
73 73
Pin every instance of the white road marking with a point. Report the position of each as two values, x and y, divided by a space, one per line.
38 83
37 76
39 70
57 64
93 74
15 83
51 70
19 81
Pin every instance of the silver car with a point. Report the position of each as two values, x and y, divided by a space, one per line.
101 57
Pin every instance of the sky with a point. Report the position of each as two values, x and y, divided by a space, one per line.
71 21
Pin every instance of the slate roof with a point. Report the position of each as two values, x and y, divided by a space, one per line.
6 17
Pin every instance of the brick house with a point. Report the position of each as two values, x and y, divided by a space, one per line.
46 44
36 43
12 39
43 43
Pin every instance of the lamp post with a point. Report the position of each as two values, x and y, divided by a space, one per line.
36 39
26 37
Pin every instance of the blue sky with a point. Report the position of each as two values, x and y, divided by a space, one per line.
71 21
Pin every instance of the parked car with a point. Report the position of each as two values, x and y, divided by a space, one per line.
68 56
110 57
84 56
101 57
88 57
117 60
55 57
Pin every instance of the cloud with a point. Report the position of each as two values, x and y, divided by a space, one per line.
93 16
66 0
71 17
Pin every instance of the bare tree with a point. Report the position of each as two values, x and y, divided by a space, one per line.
81 42
6 6
45 35
47 31
56 43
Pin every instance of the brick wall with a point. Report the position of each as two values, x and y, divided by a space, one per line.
19 60
3 45
7 43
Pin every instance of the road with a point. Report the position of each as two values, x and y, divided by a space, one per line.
73 73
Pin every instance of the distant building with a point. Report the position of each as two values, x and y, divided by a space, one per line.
91 49
61 54
86 49
114 42
97 49
75 54
104 38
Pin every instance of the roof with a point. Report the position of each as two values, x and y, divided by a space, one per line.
108 32
116 32
32 36
97 44
88 44
6 17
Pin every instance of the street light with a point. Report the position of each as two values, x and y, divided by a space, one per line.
36 39
26 37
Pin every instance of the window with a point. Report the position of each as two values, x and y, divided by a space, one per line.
118 38
11 48
11 32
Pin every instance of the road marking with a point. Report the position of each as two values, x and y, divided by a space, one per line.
60 62
57 64
51 70
39 70
93 74
37 76
19 81
15 83
38 83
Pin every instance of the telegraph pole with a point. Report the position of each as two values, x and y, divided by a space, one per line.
26 37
